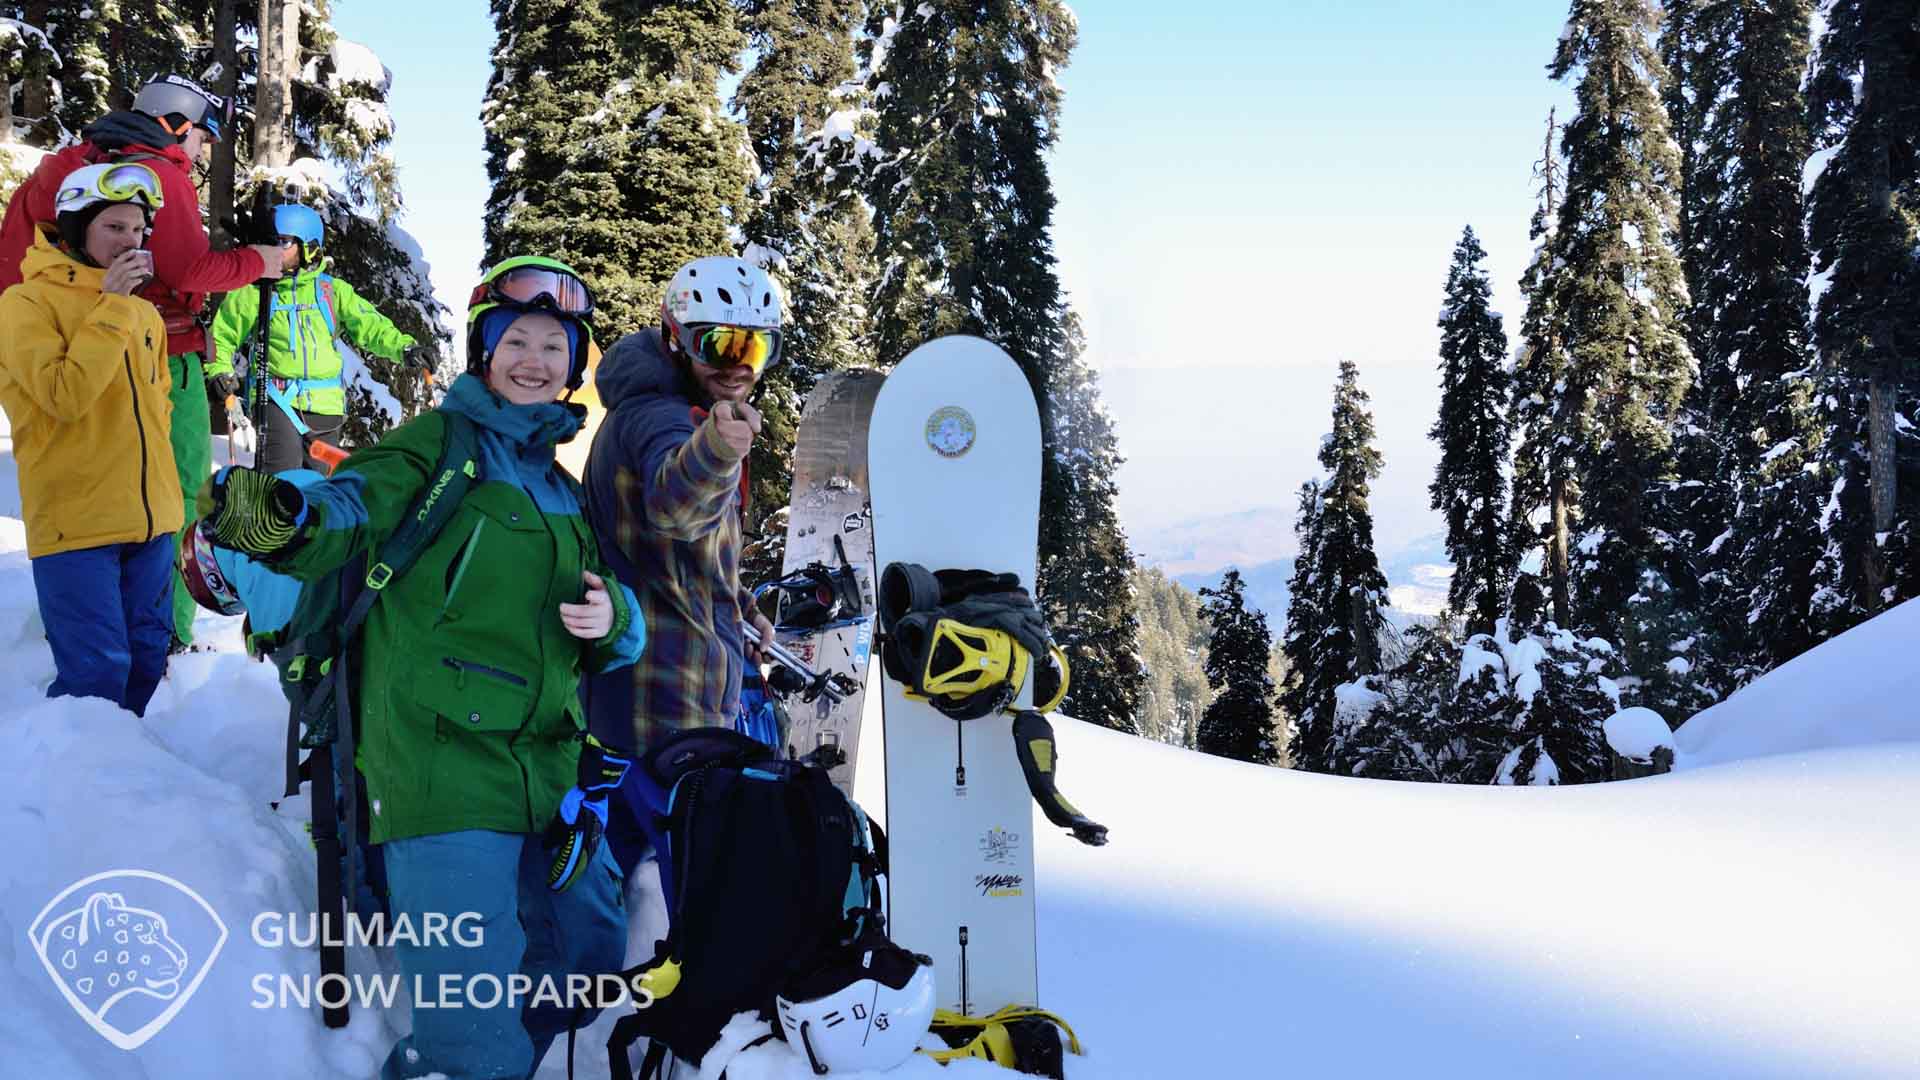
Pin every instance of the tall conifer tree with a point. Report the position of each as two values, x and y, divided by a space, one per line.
968 107
1469 485
1864 102
1336 637
1754 336
1621 302
807 225
1544 487
606 144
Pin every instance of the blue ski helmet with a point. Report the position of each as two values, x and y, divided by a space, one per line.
303 224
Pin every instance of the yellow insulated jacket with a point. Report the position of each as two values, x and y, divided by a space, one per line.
84 381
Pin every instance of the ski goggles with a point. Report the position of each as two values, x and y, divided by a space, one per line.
536 286
720 346
121 183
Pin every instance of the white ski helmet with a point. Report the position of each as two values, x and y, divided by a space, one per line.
868 1011
718 290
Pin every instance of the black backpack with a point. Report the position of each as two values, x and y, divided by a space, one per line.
766 867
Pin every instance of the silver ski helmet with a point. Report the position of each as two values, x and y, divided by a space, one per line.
179 103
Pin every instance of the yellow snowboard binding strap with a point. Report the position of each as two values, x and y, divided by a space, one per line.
966 641
1020 1037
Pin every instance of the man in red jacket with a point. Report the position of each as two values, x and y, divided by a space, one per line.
169 128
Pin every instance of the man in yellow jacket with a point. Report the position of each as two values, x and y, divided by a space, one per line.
84 381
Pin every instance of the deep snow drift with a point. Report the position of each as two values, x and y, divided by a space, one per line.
1754 918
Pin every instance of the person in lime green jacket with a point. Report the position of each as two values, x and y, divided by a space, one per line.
310 309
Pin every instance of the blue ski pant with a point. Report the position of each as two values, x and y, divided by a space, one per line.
490 888
108 612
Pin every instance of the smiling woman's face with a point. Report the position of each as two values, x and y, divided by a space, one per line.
530 363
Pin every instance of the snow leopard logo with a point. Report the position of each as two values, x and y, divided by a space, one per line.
118 962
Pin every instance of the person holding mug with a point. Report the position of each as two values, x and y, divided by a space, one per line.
85 384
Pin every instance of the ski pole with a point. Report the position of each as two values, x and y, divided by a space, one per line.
834 686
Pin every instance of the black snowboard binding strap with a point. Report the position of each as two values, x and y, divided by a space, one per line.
1033 744
966 641
814 596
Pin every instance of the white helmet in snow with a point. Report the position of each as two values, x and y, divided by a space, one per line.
867 1012
723 291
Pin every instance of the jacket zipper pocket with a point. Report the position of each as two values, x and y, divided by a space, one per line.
464 666
460 568
139 426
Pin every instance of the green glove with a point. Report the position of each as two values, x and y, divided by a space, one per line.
252 511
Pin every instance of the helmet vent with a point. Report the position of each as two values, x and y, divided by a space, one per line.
691 272
698 298
765 299
725 296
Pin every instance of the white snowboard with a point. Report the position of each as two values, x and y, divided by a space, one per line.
954 462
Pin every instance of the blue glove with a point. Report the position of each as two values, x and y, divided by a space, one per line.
579 827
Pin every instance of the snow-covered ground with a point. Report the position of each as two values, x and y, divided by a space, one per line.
1752 915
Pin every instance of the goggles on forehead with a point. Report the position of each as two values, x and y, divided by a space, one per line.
720 346
121 183
536 286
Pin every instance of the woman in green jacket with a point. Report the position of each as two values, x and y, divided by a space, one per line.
471 739
311 309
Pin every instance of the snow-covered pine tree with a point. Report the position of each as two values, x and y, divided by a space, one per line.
145 38
1469 485
967 107
1306 694
1864 104
26 59
63 84
1622 302
1698 501
1544 488
607 146
1562 695
1345 592
807 227
1351 570
1751 330
1238 723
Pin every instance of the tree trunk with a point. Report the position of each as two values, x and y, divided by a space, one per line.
36 89
1882 370
273 100
1882 471
227 83
6 112
1559 561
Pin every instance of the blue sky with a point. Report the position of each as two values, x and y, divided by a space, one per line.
1249 191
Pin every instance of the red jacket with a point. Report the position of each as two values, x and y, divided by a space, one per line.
185 268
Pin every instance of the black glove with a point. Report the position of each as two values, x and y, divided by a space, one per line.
222 386
252 511
579 826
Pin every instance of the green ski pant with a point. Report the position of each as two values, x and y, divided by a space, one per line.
192 439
